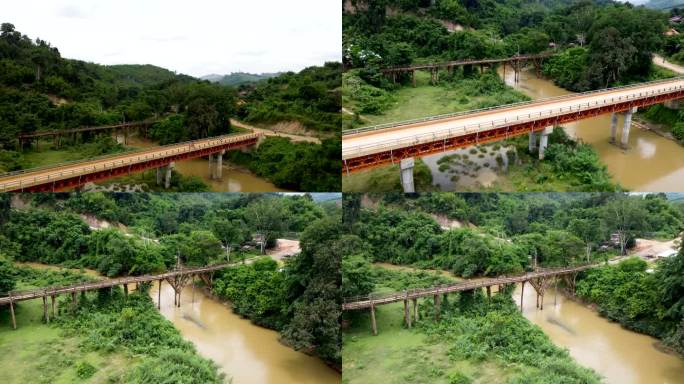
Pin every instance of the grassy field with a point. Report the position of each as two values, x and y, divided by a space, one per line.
39 353
428 100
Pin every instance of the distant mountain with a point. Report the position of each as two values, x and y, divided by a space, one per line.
239 78
675 196
663 4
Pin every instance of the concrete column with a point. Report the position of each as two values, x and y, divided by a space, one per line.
407 175
613 127
218 167
532 145
159 175
211 165
625 128
544 141
167 181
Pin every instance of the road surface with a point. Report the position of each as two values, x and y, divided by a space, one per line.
661 62
379 140
268 132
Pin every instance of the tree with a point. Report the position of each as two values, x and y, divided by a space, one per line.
626 216
7 273
589 230
268 218
356 276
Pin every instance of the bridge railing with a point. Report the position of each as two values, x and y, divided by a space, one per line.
461 286
465 62
499 107
444 134
144 155
106 282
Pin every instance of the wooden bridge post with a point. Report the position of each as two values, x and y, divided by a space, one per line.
125 290
374 326
14 320
45 310
415 309
73 301
413 78
159 294
522 295
407 311
489 293
437 305
179 294
53 305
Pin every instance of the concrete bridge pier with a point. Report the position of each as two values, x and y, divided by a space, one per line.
216 165
613 127
624 142
544 141
406 175
167 180
532 141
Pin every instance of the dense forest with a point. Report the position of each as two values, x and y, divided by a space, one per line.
153 232
492 234
40 90
600 43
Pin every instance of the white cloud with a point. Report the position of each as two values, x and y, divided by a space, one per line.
195 37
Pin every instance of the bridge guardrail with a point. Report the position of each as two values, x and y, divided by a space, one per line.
411 293
498 107
172 149
112 282
390 144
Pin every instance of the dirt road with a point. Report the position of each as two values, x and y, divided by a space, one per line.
268 132
661 62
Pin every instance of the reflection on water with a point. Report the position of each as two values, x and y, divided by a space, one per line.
621 356
653 163
234 179
247 353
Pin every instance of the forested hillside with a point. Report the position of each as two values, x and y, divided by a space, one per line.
239 78
148 233
610 42
43 91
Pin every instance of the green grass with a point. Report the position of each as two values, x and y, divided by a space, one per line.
429 100
386 179
39 353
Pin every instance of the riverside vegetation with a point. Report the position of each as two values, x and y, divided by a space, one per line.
126 339
618 38
444 236
40 90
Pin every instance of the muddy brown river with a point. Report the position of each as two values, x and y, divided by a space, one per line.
652 163
244 352
619 355
234 179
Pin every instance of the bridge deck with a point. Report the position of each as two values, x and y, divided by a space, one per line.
386 138
408 68
89 286
367 301
77 173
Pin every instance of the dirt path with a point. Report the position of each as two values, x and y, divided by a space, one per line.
283 248
268 132
661 62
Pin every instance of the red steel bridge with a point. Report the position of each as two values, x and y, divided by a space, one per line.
70 175
373 146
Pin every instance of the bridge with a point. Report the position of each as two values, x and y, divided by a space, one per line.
540 280
391 143
177 278
517 62
58 134
163 158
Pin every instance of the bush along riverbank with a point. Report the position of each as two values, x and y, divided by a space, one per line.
640 299
107 338
475 340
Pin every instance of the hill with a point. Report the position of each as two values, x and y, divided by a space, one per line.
239 78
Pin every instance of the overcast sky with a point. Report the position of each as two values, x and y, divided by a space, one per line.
195 37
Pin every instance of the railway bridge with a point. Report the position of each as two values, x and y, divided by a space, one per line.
74 174
399 142
539 280
177 278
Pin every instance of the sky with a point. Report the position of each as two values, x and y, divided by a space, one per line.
194 37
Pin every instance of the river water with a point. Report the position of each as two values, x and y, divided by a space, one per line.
247 353
619 355
652 163
234 179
